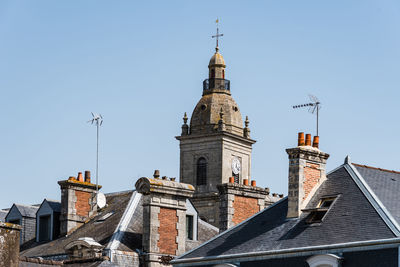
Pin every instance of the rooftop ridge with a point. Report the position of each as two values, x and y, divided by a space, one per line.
375 168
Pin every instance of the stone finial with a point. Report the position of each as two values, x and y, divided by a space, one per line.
185 118
246 130
185 127
221 123
347 160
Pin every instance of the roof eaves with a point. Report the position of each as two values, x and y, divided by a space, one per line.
290 252
230 229
373 199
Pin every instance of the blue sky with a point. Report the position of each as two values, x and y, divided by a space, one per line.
141 65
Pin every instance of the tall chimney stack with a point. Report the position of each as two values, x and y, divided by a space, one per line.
307 171
77 201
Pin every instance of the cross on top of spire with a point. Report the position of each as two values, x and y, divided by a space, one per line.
217 36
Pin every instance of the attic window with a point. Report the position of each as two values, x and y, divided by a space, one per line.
317 214
105 217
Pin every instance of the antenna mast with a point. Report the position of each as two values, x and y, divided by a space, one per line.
98 120
314 107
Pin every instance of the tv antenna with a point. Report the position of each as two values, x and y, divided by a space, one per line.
314 107
98 121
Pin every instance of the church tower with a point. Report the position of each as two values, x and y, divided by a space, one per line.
216 145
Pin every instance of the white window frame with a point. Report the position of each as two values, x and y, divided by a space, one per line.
330 260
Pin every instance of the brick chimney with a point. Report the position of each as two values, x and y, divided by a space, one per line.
164 217
307 171
77 201
239 202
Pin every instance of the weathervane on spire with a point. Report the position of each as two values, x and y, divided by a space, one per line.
217 35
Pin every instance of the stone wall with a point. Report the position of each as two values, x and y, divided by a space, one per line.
28 229
219 150
9 244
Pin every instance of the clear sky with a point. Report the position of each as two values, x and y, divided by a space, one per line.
141 65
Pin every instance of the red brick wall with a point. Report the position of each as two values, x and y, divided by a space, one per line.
244 208
82 204
167 231
312 175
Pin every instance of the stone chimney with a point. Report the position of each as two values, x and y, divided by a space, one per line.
9 244
239 202
307 171
78 196
164 217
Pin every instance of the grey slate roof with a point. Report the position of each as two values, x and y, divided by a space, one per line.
386 186
351 218
3 214
103 231
99 231
27 210
54 204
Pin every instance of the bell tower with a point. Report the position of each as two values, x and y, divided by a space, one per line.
216 145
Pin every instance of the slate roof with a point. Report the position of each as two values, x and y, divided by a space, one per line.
27 210
54 204
102 232
99 231
3 214
270 229
386 186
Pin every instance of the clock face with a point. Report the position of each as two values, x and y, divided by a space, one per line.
235 165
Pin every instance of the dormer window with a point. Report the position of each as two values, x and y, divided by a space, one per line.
317 214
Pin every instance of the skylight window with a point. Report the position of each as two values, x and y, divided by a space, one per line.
105 217
317 214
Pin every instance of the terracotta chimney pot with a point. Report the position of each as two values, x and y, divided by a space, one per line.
80 177
316 142
246 181
300 141
231 180
308 139
253 183
87 176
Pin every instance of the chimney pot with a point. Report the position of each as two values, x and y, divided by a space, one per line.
274 194
267 189
87 176
253 183
308 139
281 195
71 178
316 142
300 141
80 177
164 177
246 181
156 174
173 179
231 180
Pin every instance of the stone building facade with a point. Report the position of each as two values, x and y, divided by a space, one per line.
217 145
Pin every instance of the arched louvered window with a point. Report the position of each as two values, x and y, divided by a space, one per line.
201 171
212 73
